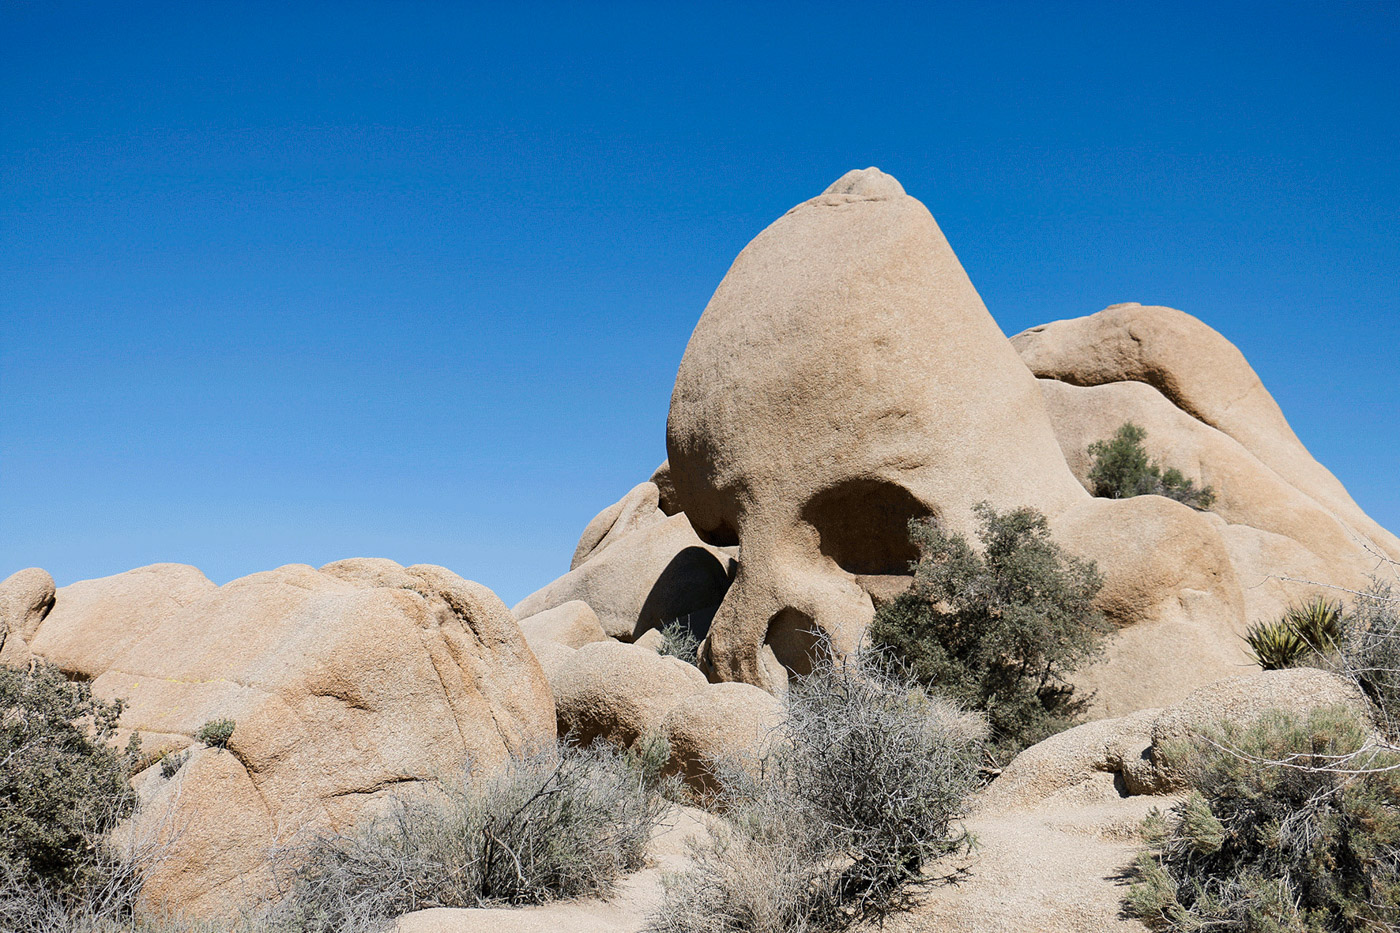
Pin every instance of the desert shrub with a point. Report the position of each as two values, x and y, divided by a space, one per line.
215 733
1001 630
1307 634
858 795
1291 825
61 787
679 641
1369 651
1122 469
564 822
170 764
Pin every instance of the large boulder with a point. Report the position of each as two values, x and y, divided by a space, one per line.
634 511
845 378
1255 508
572 624
635 581
721 726
620 693
345 684
26 598
94 621
1171 592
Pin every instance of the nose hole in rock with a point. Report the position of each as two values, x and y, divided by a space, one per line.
796 642
863 525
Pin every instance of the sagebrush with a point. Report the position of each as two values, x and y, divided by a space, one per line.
563 822
1001 629
839 822
1292 824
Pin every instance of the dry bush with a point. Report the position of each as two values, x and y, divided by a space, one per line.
561 823
838 823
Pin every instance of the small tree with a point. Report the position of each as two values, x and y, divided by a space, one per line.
61 787
998 631
1121 469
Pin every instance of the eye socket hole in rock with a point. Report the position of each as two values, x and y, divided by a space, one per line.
796 642
863 525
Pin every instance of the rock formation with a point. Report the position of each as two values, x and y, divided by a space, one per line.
345 684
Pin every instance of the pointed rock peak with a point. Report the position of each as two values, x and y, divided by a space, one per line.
867 183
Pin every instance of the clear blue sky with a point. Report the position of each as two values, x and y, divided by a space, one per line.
296 282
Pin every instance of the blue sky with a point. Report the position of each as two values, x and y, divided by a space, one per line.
295 282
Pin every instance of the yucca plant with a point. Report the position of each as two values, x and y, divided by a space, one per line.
1318 622
1313 629
1276 644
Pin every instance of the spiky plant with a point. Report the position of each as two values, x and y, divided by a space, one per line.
1318 622
1276 644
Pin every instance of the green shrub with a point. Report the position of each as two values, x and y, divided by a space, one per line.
1291 825
1122 469
1308 634
998 631
61 787
171 763
215 733
563 823
837 824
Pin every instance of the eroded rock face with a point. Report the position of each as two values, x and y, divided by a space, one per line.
345 684
844 378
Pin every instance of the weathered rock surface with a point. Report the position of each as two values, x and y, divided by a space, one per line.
720 726
1171 589
844 378
653 573
619 692
26 598
345 683
95 621
572 624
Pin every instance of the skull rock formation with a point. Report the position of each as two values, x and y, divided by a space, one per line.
845 378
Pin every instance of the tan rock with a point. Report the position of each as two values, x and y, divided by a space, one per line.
620 692
1078 766
1205 376
666 489
633 512
93 621
722 725
647 577
1170 588
345 684
572 624
26 598
552 657
844 378
1273 532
